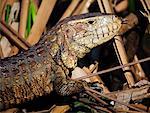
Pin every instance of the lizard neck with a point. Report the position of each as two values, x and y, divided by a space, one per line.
59 48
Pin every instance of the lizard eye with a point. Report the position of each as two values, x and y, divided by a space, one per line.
90 22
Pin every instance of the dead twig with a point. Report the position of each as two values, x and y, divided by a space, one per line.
96 78
96 98
42 17
128 111
93 105
110 98
16 34
113 69
2 7
102 109
134 93
96 105
144 6
23 17
13 35
119 48
70 9
83 7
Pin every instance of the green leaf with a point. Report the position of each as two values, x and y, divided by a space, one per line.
28 21
8 9
33 10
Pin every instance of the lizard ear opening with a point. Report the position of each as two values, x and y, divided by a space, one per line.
68 30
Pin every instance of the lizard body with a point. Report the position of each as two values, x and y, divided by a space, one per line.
45 66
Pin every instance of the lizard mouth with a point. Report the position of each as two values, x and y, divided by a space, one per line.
123 21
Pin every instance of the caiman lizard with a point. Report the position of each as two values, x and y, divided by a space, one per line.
45 66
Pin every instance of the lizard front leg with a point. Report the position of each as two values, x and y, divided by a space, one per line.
64 86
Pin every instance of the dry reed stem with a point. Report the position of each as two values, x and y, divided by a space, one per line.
130 21
119 48
127 111
107 6
114 68
121 53
96 78
23 17
93 79
70 9
42 17
148 4
22 24
8 2
135 93
13 35
141 106
123 5
100 101
16 34
2 7
93 68
83 7
144 6
100 6
60 109
80 8
108 97
96 98
140 73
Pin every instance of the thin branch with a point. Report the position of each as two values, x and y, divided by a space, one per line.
113 69
23 17
70 9
108 97
13 35
96 98
42 17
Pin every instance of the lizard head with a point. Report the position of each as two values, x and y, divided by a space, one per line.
84 32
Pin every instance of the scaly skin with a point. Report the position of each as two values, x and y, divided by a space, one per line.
45 66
